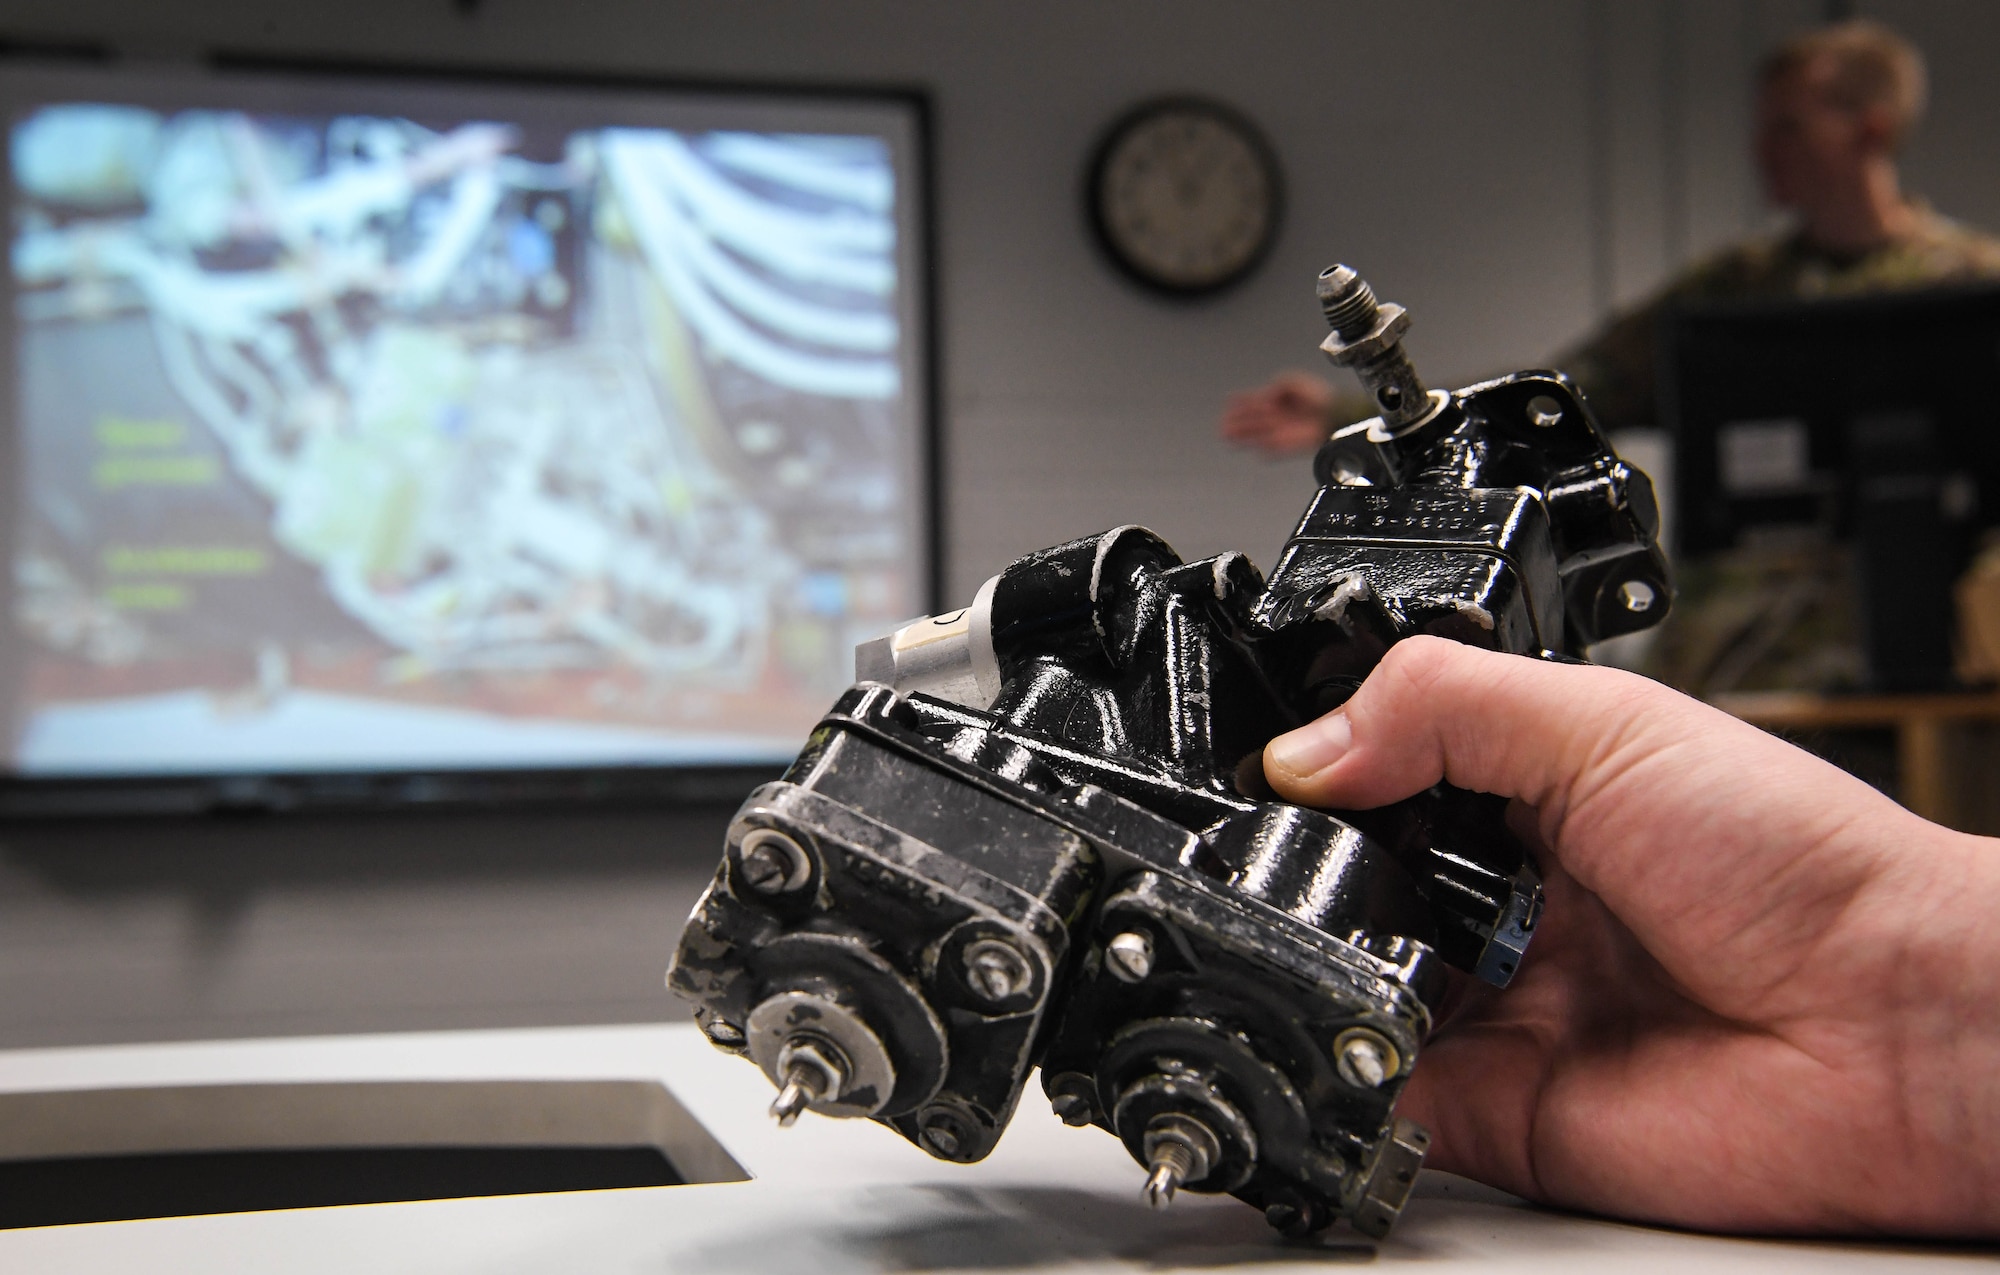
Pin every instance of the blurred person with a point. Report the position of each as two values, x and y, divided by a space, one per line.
1834 107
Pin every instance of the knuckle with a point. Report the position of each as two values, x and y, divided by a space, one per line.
1417 668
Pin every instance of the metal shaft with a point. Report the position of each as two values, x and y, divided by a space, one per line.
806 1081
1172 1163
794 1098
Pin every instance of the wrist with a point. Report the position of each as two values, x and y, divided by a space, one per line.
1945 1029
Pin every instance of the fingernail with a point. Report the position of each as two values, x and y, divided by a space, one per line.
1312 747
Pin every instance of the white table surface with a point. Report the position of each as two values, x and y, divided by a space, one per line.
827 1196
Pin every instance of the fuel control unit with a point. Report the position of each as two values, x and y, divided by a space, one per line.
1035 833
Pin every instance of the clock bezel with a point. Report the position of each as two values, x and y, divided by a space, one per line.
1237 122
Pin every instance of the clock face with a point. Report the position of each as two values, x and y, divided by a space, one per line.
1184 195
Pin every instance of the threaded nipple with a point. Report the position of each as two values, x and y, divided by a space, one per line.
1347 301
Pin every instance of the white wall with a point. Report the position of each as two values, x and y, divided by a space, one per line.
1506 170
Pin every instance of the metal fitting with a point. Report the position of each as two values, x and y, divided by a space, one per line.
1389 1182
1071 1108
1129 956
1368 337
821 1054
1071 1097
1292 1214
1347 302
774 863
996 971
1365 1058
723 1034
1179 1149
946 1134
947 656
941 1138
812 1071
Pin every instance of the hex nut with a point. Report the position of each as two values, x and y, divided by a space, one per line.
1386 334
819 1057
1544 411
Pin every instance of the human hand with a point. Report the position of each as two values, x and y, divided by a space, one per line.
1288 416
1762 996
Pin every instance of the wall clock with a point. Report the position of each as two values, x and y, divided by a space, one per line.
1184 195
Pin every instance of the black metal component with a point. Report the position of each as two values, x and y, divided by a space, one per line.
1061 852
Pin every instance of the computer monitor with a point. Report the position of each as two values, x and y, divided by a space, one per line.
378 436
1870 421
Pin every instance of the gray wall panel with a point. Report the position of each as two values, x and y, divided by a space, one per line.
1466 156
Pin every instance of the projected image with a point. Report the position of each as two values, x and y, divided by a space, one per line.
354 442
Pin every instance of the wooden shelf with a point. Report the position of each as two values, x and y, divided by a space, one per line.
1921 724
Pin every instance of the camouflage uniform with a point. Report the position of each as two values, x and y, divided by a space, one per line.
1764 616
1615 366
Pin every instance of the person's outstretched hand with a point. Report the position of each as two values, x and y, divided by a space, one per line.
1290 415
1762 997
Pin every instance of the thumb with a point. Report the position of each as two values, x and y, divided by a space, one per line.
1662 806
1435 709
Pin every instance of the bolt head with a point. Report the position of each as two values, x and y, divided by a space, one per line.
772 862
763 869
1365 1058
941 1140
1637 596
1073 1109
941 1137
996 971
1285 1217
1129 956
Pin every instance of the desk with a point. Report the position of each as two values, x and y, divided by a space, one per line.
826 1196
1920 723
